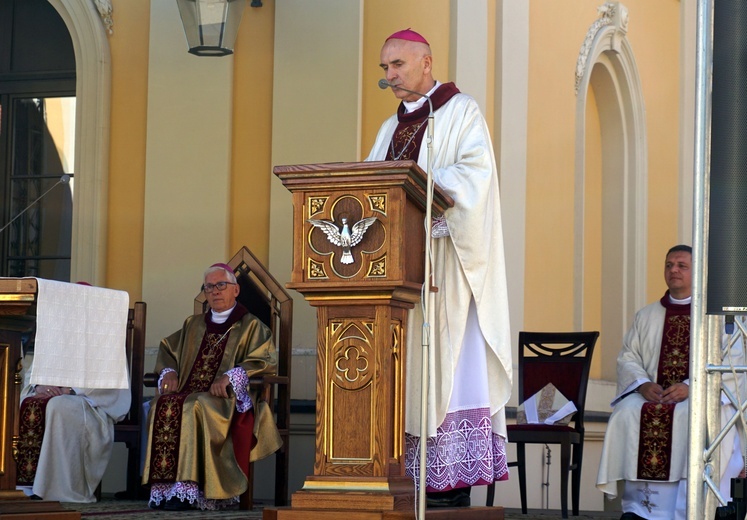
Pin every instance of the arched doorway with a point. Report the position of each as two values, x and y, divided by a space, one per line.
611 175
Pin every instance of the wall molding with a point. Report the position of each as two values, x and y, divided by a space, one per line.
92 121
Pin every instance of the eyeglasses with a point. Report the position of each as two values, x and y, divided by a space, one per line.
209 287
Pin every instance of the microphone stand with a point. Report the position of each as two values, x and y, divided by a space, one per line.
426 297
424 368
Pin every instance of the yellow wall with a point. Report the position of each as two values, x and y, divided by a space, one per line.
548 303
129 52
428 17
251 167
550 159
657 54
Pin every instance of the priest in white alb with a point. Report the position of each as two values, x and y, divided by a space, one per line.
646 443
470 348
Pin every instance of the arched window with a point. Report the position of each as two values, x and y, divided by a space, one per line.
37 140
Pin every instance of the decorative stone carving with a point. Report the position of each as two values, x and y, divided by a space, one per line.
105 10
611 13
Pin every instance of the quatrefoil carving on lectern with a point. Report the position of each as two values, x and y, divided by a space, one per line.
352 364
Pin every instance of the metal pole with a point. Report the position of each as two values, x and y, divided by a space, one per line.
424 382
697 489
710 454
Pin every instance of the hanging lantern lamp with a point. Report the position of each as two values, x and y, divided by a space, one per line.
211 25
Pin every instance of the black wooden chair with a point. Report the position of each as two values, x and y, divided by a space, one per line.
563 359
129 429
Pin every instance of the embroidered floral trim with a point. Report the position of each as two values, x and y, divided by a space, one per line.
188 491
655 441
465 452
439 228
167 424
163 373
207 363
404 135
240 382
647 501
674 363
31 434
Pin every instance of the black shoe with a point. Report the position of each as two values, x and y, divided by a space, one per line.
449 499
153 505
631 516
174 504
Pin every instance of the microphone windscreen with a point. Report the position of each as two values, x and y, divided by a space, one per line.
383 84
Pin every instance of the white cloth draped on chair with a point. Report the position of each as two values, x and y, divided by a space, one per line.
80 336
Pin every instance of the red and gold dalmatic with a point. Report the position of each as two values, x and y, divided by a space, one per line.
654 454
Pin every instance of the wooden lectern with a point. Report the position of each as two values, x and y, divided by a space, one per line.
17 299
362 300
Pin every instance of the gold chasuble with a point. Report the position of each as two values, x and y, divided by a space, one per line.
654 454
199 438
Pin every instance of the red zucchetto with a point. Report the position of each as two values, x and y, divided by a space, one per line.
409 35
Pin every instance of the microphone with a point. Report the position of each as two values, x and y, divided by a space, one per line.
384 84
64 179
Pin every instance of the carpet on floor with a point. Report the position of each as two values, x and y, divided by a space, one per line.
112 509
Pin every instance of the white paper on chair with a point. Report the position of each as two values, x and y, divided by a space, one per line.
80 336
548 406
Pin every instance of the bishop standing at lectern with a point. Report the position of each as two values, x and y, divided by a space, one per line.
470 344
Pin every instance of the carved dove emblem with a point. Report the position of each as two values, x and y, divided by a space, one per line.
345 237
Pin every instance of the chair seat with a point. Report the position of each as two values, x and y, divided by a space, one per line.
539 428
548 435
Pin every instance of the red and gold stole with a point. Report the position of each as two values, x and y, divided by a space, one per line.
167 419
655 441
411 128
31 433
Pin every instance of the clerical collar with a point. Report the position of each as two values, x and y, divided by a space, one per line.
221 317
411 106
685 301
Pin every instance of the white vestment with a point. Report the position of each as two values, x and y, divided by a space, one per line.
639 361
77 443
469 271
